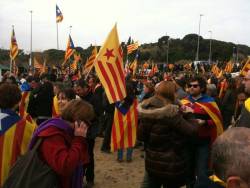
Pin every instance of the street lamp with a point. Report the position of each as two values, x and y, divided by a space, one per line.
198 43
210 48
30 63
167 48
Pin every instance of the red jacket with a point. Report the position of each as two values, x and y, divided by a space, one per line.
63 153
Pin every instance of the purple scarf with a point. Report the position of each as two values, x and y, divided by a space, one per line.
77 178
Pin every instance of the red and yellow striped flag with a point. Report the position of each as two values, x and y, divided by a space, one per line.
124 127
13 46
229 67
215 70
109 68
246 67
37 65
132 47
90 61
70 49
14 140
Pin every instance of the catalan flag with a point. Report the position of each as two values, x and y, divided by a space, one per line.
246 67
70 49
215 70
132 47
13 46
134 64
74 64
211 108
15 135
90 61
23 105
109 68
37 65
229 67
124 126
59 15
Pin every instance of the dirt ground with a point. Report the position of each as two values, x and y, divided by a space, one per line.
109 173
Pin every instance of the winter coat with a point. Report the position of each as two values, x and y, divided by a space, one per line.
63 153
168 138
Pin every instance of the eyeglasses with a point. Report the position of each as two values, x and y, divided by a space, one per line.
193 85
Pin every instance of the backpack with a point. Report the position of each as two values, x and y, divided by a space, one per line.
29 171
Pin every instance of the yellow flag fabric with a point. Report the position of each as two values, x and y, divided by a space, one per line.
132 47
90 61
109 68
13 46
246 67
133 66
124 128
229 67
217 180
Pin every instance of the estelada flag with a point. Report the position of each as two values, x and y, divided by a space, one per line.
124 126
70 49
13 46
132 47
15 135
210 106
109 68
246 67
90 61
59 15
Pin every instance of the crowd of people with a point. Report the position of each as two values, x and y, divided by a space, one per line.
194 129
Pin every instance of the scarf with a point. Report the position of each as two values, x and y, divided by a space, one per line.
77 178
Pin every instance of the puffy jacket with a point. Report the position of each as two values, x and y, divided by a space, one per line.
168 138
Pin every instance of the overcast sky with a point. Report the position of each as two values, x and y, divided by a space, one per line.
143 20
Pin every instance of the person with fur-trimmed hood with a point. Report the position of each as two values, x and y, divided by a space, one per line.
168 139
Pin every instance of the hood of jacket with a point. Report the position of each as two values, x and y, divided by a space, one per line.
156 108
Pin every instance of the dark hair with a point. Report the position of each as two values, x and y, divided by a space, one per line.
11 79
81 83
181 82
10 95
69 93
78 109
201 81
94 77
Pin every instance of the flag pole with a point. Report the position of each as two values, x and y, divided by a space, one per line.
30 63
70 28
57 36
10 52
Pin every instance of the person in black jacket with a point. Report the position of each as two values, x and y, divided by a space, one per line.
91 92
168 139
41 101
